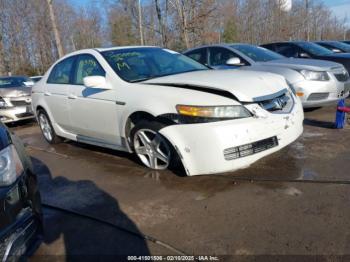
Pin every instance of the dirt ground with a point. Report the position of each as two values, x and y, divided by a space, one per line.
294 202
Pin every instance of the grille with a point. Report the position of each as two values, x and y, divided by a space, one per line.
343 77
28 114
20 103
250 149
318 96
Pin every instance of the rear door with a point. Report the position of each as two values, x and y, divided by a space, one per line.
92 111
56 93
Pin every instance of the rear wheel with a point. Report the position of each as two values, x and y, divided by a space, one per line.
47 129
151 147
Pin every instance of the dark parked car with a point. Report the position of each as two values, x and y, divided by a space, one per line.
21 216
303 49
346 42
335 46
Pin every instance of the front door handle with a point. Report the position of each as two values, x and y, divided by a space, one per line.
47 94
71 96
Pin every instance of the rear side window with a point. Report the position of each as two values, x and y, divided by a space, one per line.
61 73
288 50
200 55
87 65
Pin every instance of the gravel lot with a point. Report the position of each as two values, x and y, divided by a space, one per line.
295 202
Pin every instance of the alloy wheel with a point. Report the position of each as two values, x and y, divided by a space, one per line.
152 149
45 126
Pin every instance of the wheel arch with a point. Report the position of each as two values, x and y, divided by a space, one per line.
135 117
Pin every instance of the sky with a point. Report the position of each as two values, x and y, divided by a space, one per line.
341 8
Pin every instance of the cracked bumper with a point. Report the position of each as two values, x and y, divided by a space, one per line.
201 146
16 114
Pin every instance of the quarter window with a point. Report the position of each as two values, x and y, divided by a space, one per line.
61 72
87 65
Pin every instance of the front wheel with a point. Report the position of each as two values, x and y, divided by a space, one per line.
47 129
150 146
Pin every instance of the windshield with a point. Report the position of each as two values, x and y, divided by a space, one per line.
8 82
314 49
342 46
258 54
140 64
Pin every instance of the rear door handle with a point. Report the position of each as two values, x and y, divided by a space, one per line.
47 94
71 96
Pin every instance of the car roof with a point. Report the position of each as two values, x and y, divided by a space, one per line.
2 77
227 45
123 47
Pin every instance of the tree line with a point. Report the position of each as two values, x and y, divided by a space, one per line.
35 33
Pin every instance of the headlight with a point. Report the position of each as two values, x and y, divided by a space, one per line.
10 166
219 112
314 75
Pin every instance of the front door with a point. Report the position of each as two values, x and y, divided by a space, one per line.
93 112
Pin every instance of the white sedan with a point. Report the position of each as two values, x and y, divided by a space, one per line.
167 108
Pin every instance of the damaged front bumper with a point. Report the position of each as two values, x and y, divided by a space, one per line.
14 114
203 148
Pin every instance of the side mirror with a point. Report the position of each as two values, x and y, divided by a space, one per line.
304 55
95 82
336 50
233 61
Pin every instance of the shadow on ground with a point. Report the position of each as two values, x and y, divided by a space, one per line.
83 239
318 123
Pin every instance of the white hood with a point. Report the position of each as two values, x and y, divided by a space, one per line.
247 86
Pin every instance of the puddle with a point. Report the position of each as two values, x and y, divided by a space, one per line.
308 134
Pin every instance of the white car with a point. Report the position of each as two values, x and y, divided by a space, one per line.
317 82
167 108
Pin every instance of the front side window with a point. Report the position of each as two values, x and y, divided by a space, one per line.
141 64
200 55
61 72
257 54
87 65
219 56
339 45
314 49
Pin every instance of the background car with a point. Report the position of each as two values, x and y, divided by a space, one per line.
335 46
15 98
167 108
317 83
20 216
303 49
346 42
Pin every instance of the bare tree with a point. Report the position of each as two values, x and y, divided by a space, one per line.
55 29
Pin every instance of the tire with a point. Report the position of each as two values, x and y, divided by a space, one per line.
151 148
47 129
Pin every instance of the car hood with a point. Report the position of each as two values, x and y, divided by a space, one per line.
15 91
300 63
246 86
